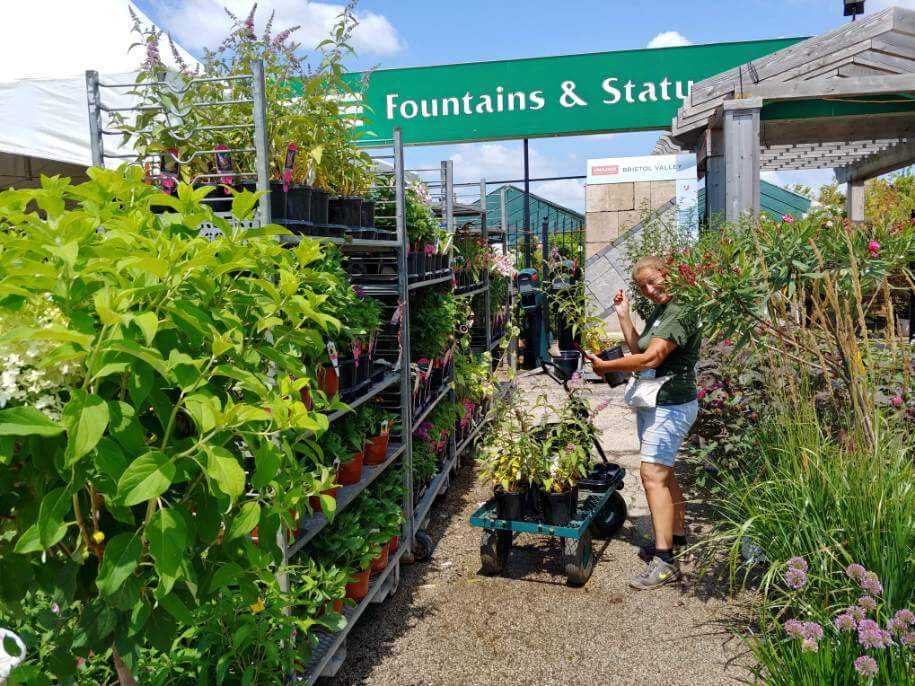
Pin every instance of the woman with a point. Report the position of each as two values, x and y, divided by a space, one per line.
668 347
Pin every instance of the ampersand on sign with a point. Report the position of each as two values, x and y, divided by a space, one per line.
569 97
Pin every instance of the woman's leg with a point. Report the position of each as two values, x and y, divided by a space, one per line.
679 505
656 479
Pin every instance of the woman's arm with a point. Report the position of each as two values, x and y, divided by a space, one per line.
631 336
652 358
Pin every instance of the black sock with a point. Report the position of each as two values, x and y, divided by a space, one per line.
665 554
679 540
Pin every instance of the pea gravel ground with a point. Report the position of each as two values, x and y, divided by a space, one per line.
448 624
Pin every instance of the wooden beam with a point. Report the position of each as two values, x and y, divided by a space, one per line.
825 88
896 157
741 157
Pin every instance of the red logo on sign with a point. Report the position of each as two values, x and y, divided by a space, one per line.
605 170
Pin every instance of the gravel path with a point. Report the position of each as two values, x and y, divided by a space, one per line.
447 624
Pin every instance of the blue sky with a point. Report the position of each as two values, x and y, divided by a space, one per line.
396 33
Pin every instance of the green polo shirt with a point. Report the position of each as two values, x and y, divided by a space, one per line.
672 323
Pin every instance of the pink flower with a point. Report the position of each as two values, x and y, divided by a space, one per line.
871 583
796 578
688 274
701 393
787 218
908 640
810 646
794 628
870 635
896 627
906 616
857 612
867 602
866 666
873 248
855 572
896 401
845 622
812 631
798 563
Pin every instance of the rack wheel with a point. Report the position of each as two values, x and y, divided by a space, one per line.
422 547
494 549
610 519
578 558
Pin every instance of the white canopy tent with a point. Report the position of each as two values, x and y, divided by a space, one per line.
44 119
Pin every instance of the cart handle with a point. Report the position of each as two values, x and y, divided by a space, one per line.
556 375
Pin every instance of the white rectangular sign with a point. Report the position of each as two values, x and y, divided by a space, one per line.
644 168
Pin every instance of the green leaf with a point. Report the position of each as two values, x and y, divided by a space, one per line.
86 418
244 521
122 554
225 575
29 541
176 608
54 507
148 324
203 409
166 535
267 463
125 428
242 635
27 421
139 383
243 203
147 477
224 469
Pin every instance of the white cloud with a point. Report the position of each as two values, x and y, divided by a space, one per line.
872 6
669 39
203 23
566 192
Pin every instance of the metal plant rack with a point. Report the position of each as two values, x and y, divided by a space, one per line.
395 387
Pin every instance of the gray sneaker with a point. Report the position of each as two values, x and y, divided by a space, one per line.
657 574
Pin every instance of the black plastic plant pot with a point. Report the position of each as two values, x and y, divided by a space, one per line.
369 234
614 378
219 199
559 509
346 211
368 214
346 369
567 361
298 203
413 266
438 374
509 504
363 372
377 374
319 207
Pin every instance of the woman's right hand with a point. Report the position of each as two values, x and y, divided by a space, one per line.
621 303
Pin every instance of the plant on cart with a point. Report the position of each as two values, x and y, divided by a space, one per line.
432 320
347 544
510 455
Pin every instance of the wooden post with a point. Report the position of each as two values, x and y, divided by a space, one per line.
741 157
715 175
854 200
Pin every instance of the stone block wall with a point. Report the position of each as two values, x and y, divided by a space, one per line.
612 209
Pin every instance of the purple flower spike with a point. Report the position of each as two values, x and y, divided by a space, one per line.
870 635
895 627
845 622
867 602
856 572
909 640
794 628
798 563
796 578
866 666
871 583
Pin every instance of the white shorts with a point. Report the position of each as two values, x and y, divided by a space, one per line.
662 430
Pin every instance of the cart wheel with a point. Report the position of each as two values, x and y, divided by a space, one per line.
609 520
578 559
494 549
422 547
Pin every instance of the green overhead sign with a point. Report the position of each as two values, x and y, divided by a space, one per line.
629 90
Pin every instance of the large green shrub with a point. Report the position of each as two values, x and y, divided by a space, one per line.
166 425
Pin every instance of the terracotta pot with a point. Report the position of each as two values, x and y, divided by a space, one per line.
338 605
376 450
380 562
328 380
315 502
359 588
305 393
393 544
351 472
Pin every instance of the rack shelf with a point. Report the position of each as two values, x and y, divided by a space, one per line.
432 491
470 294
362 243
431 406
431 282
311 526
388 380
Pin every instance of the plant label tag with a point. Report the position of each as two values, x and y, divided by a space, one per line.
429 249
224 165
447 357
288 165
332 353
168 170
357 351
385 427
419 378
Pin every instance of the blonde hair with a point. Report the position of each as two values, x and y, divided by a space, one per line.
648 262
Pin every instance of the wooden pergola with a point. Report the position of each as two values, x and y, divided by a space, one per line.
844 100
